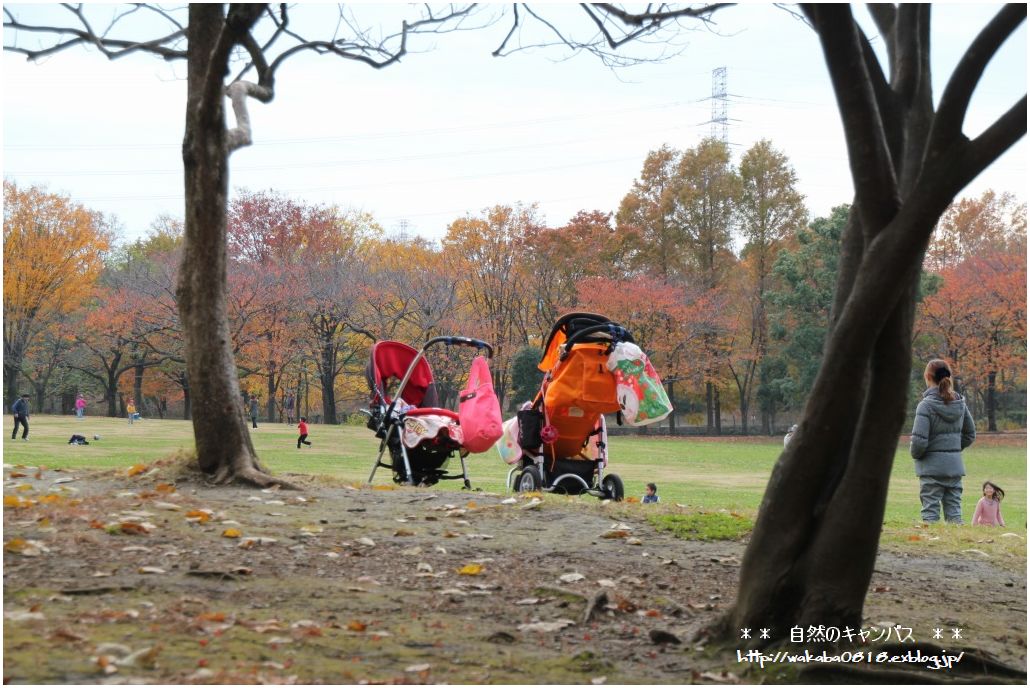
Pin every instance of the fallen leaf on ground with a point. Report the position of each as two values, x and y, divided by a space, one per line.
571 577
357 626
401 532
546 626
366 541
615 534
150 569
231 533
470 570
136 469
199 515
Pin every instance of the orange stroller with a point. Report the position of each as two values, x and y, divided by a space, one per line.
562 434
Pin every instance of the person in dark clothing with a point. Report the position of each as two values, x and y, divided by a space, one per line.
943 427
254 410
20 409
288 406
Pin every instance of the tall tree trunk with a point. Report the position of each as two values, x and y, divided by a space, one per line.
992 401
270 394
811 555
187 405
717 410
709 408
12 369
113 397
327 376
137 385
224 449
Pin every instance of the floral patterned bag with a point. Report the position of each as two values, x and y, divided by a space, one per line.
639 390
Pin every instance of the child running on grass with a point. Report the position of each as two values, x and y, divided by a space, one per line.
303 427
988 509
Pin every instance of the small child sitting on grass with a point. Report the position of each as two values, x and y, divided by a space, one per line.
302 426
652 495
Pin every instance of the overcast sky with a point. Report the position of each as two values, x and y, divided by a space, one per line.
452 130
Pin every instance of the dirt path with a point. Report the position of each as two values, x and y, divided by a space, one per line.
142 579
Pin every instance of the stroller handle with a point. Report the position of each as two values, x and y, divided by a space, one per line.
617 333
461 341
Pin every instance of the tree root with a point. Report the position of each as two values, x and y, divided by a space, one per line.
975 667
252 477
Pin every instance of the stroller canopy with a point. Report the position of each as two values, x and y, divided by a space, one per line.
390 360
572 324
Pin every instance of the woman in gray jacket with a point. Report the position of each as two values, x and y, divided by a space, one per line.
942 429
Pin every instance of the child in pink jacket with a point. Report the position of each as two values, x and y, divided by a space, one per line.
988 509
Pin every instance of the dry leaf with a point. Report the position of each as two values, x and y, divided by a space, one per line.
401 532
471 570
130 528
164 488
357 626
231 533
136 469
199 515
150 569
211 616
16 502
572 577
546 626
615 534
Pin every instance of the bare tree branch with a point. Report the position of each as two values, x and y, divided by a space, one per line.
514 26
876 187
951 112
996 139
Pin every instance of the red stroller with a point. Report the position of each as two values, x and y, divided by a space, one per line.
420 436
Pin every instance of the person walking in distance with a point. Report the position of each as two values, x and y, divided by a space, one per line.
288 406
254 410
130 410
302 427
80 408
20 409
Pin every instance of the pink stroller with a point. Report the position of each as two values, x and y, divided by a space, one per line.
420 436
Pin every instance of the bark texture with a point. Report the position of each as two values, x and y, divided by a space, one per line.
224 449
812 551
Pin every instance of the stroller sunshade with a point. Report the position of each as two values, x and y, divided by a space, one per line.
390 360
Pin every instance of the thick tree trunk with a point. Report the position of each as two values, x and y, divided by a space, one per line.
112 388
812 551
12 368
328 379
224 449
137 386
709 408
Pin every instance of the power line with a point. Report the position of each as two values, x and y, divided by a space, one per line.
369 136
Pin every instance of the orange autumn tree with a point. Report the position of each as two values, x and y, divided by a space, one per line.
978 318
53 253
486 255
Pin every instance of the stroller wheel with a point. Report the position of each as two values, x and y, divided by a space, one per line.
612 487
530 480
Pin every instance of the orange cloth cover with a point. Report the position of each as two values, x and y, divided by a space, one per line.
582 388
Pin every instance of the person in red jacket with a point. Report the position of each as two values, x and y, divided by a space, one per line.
303 427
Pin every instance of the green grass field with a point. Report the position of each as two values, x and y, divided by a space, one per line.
702 473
